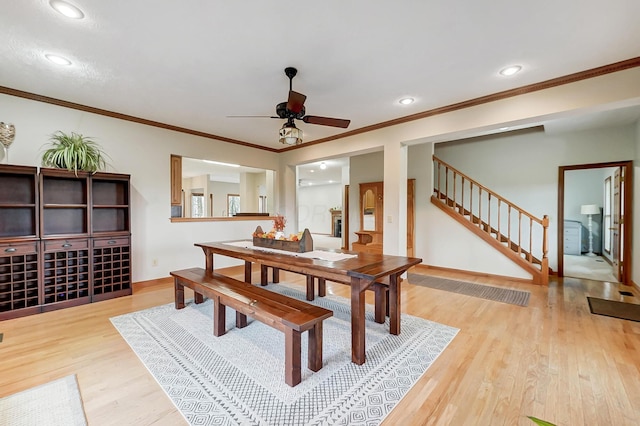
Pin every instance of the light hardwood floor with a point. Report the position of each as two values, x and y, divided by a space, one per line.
552 359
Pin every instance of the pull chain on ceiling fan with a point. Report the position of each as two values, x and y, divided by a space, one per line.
293 109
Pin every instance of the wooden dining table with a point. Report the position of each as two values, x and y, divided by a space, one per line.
360 271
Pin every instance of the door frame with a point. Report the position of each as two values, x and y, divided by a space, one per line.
628 216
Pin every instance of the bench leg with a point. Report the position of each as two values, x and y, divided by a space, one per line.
264 275
381 302
315 347
310 289
292 349
197 297
322 287
178 294
219 317
276 275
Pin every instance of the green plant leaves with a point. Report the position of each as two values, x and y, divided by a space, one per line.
540 422
74 152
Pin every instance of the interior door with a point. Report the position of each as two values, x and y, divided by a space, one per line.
617 220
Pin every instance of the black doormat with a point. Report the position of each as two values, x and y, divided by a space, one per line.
612 308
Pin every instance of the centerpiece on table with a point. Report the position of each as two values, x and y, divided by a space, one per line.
277 239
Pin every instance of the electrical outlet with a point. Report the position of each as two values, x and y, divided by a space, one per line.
154 262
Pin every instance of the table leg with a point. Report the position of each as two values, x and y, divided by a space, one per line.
394 303
264 275
208 255
357 323
310 289
322 287
247 271
381 300
276 275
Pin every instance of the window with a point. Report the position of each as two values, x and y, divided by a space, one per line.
262 204
197 204
233 204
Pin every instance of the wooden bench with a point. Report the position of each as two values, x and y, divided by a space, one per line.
291 316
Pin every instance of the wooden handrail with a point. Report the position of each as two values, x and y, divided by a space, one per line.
484 188
470 211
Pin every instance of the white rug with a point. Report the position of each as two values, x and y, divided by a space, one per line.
588 267
56 403
238 378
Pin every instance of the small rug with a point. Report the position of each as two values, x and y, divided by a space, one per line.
497 294
56 403
238 378
588 267
612 308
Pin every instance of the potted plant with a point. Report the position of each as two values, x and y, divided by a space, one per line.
74 152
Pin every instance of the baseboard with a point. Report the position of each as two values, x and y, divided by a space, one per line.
505 278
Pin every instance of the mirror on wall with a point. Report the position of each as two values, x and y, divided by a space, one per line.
215 189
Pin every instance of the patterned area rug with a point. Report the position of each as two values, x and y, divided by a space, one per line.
238 378
56 403
497 294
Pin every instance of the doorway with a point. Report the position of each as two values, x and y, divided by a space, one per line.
607 235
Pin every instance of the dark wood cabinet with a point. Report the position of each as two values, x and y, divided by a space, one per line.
64 239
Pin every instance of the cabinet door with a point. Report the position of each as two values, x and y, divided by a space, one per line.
65 273
19 294
111 268
176 180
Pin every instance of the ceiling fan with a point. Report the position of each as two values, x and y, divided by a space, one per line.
293 109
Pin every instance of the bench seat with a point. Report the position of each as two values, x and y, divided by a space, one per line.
291 316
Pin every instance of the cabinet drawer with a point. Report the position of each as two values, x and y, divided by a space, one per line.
56 245
18 248
111 242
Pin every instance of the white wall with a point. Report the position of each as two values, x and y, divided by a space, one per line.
143 152
314 203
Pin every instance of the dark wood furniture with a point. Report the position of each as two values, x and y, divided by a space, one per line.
360 272
19 241
64 239
291 316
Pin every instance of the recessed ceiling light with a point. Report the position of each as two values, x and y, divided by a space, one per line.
67 9
58 60
323 166
504 128
514 69
406 101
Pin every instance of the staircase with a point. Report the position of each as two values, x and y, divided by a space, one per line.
511 230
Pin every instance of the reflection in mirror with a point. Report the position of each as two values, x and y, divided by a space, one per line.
368 211
214 189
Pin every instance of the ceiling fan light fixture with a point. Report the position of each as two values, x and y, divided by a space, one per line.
290 134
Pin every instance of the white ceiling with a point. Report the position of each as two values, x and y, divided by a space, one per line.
193 63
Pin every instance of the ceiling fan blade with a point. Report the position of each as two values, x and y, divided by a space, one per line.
251 116
295 102
326 121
